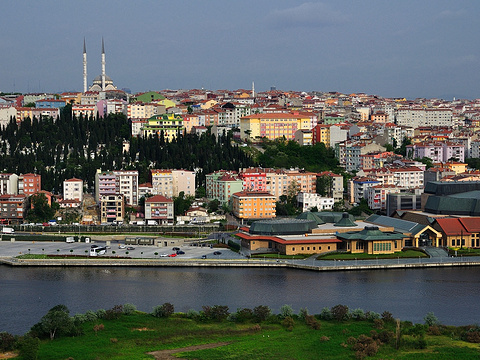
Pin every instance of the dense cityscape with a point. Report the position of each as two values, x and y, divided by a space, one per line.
107 157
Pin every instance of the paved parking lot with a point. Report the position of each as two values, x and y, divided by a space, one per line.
16 248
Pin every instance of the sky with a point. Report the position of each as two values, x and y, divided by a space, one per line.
409 48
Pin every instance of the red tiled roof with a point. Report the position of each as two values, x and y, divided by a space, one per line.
452 226
158 199
471 224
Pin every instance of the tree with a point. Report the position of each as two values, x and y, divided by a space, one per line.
41 211
325 186
213 205
55 323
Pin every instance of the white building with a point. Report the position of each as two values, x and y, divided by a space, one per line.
310 200
73 189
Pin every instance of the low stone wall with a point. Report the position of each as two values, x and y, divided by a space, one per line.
221 263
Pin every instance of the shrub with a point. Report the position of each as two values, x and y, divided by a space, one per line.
387 317
472 335
7 341
416 330
434 330
243 315
357 314
163 311
101 313
378 323
312 322
303 313
215 312
129 309
91 316
340 312
98 327
114 313
286 311
192 314
430 319
261 313
372 315
326 314
80 318
288 323
29 348
365 346
233 245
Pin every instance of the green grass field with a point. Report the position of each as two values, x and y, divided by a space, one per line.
133 336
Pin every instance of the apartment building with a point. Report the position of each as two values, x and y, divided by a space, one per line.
160 209
376 195
253 205
417 117
112 208
221 185
8 184
29 184
170 183
124 182
408 177
337 188
272 125
437 151
169 124
73 189
13 208
307 201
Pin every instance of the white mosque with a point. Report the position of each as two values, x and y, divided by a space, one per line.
101 82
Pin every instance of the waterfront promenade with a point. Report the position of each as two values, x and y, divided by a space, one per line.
150 256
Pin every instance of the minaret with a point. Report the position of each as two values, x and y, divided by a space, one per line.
103 66
84 66
253 89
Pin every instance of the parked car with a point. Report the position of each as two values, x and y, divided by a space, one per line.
180 252
93 246
176 248
204 256
163 255
217 253
121 246
130 248
172 255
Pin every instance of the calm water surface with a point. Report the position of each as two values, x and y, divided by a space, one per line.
28 293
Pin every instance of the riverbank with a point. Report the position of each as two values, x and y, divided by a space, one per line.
302 265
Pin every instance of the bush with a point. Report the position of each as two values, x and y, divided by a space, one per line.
364 346
387 317
80 318
288 323
261 313
243 315
101 313
114 313
357 314
372 315
378 323
234 245
216 312
312 322
340 312
193 314
29 348
163 311
430 319
91 316
303 313
7 341
129 309
98 327
286 311
326 314
472 335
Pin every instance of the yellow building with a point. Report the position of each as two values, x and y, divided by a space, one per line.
253 205
457 167
170 124
273 125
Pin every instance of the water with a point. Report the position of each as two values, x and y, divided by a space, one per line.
28 293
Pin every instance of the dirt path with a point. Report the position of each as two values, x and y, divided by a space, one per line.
167 354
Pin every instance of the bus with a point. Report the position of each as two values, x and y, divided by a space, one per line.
98 250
